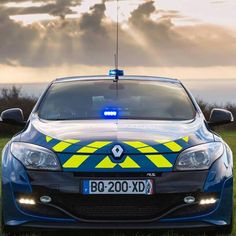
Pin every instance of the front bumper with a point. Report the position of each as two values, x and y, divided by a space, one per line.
110 226
163 210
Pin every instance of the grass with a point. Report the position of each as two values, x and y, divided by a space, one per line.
229 137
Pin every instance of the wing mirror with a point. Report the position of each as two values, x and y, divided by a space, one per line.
13 116
220 117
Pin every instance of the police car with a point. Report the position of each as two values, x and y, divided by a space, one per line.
117 152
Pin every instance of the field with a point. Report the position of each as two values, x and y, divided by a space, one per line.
229 137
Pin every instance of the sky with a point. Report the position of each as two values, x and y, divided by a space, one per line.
42 40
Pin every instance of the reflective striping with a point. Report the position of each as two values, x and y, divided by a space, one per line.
98 144
129 163
88 153
161 141
75 161
106 163
135 144
60 147
93 147
148 150
87 150
186 139
173 146
48 139
159 161
142 147
72 141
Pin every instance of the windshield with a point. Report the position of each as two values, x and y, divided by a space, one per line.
77 100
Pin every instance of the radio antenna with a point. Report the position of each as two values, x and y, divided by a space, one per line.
117 41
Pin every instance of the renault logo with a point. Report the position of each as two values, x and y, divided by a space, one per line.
117 151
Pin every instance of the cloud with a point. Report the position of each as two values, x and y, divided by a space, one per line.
15 40
90 40
57 8
195 45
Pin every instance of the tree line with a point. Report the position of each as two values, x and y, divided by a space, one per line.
12 98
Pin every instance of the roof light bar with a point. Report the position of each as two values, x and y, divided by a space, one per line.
116 72
110 114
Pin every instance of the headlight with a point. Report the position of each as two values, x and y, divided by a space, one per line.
199 157
35 157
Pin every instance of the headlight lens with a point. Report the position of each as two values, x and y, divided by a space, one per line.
199 157
35 157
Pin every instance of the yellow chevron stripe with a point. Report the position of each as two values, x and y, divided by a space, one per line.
87 150
186 139
173 146
129 163
60 147
48 139
106 163
98 144
75 161
159 161
163 141
72 141
136 144
148 150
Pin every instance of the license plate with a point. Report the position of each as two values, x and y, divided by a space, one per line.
139 187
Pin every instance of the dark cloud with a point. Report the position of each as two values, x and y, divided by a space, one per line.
15 40
57 8
195 45
90 40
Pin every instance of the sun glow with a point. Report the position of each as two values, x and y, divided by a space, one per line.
196 12
26 4
125 9
31 18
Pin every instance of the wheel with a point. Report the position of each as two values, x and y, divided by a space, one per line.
6 231
223 230
227 230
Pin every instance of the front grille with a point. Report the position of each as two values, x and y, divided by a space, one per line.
43 210
118 207
65 190
191 210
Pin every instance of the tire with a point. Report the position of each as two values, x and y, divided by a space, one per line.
6 231
223 230
228 229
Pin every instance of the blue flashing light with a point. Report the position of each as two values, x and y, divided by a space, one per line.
116 72
110 114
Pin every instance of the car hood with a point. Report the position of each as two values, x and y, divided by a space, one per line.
143 145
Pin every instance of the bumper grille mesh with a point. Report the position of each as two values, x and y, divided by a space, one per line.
119 207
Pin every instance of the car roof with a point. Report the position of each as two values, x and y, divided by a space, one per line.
105 77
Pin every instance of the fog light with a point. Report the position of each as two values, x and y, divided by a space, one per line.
189 199
45 199
208 201
26 201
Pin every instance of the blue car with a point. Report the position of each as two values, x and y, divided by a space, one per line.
117 152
